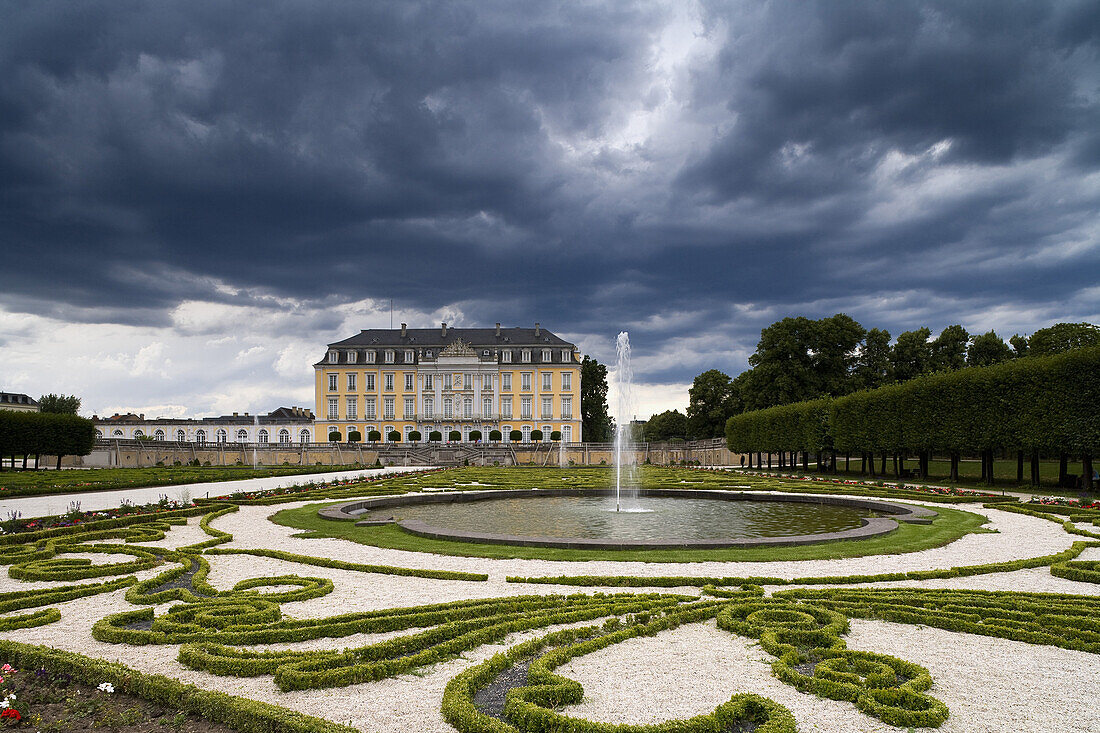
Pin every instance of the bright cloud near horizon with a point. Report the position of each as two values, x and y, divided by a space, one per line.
194 200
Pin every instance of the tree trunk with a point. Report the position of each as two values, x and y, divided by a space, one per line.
1035 468
897 467
989 467
981 454
954 476
1019 467
805 461
883 471
1086 473
1063 469
24 461
59 463
769 461
847 462
863 463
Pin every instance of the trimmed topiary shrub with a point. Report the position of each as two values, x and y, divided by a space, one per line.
374 436
515 436
334 436
394 436
454 436
355 436
415 436
536 436
435 436
495 436
475 435
555 435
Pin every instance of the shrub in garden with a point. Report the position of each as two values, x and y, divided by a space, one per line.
435 436
355 436
394 436
454 436
515 436
334 436
536 436
374 436
415 436
495 436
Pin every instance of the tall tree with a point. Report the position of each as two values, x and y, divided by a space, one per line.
948 350
1019 345
595 423
987 350
872 367
1063 337
666 425
59 404
835 349
710 404
911 356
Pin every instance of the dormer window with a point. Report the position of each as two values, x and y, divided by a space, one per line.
351 357
333 357
428 353
526 356
506 356
408 356
546 355
566 355
389 356
370 357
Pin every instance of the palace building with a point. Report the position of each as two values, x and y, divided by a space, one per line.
450 379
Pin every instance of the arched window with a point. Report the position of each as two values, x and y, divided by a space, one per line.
284 436
200 437
242 436
465 433
98 433
138 433
526 433
567 434
546 430
221 435
408 429
181 436
118 433
467 408
158 434
303 437
386 432
263 436
446 407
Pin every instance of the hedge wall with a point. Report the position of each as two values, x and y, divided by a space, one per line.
43 433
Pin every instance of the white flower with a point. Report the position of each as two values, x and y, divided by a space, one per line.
4 704
10 697
107 687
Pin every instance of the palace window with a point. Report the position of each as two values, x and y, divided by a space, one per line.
566 381
567 434
118 433
410 408
242 436
506 356
526 433
409 356
388 407
284 437
467 381
303 437
467 408
386 432
370 357
351 357
429 407
525 407
446 381
158 434
547 381
525 356
180 435
429 381
333 357
447 407
408 381
368 408
332 386
547 408
506 381
389 356
487 406
262 437
200 437
546 430
351 382
368 380
546 355
353 409
333 408
525 381
506 406
566 355
389 382
566 408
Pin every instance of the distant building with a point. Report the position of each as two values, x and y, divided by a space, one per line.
285 425
16 401
450 379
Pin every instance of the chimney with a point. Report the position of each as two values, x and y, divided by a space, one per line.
142 416
498 330
444 330
538 330
404 328
234 414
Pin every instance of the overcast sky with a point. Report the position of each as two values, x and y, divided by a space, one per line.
196 197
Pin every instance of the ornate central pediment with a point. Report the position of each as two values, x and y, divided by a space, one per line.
458 347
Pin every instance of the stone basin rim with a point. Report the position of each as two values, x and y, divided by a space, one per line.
893 512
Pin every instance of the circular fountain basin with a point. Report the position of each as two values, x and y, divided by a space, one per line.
660 518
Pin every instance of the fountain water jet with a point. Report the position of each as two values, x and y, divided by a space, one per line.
624 378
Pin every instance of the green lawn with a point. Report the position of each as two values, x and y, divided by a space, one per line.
948 527
35 483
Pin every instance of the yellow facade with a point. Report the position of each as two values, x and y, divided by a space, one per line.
448 386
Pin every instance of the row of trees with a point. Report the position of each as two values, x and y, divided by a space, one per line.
1037 405
44 434
799 359
435 436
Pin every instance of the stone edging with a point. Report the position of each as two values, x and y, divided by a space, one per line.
870 527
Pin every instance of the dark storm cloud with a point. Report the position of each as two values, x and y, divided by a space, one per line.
465 153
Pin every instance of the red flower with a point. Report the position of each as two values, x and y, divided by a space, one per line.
11 713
